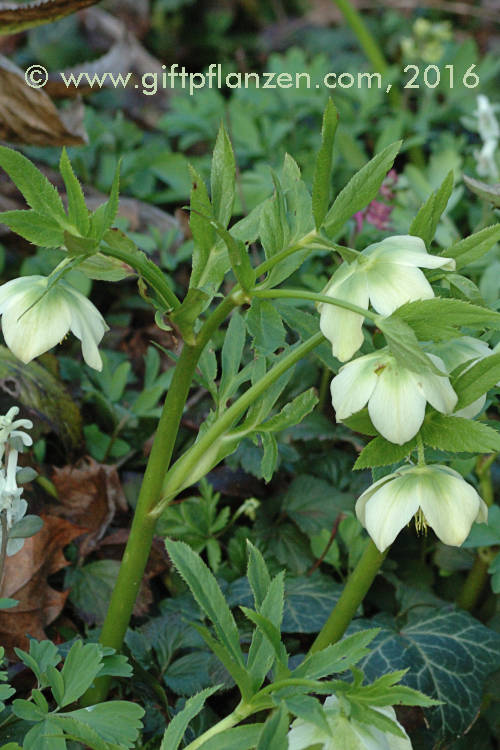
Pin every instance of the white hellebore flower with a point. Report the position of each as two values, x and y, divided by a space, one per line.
387 274
396 396
345 734
11 502
486 165
457 352
439 496
34 319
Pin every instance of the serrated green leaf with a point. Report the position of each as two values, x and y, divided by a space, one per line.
457 434
239 673
208 594
274 735
261 652
269 456
80 669
178 725
38 192
103 217
117 722
323 169
238 255
477 380
222 178
473 247
336 658
425 223
257 574
463 288
232 351
403 345
292 413
381 452
243 738
361 189
310 710
77 210
271 633
265 326
438 319
450 653
28 711
34 226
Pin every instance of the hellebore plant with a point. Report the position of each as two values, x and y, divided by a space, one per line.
413 394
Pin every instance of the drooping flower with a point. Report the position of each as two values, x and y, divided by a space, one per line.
396 396
387 274
439 496
345 733
35 318
455 352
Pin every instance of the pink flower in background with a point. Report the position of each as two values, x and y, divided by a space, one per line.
377 213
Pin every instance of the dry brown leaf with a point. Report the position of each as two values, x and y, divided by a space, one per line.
89 495
25 579
27 115
15 17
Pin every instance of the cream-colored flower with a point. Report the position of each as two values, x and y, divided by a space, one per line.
387 274
396 397
9 429
11 502
487 123
455 352
35 318
345 733
439 495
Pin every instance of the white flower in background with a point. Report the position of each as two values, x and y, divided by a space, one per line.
396 396
11 502
487 123
457 352
439 496
9 429
345 734
485 160
387 274
35 318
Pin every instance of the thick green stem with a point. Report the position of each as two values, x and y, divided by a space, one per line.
149 271
143 525
186 465
313 297
477 577
353 594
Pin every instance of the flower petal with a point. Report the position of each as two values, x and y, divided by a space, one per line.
87 324
389 510
343 328
450 505
406 250
437 390
391 285
354 385
397 406
32 329
472 410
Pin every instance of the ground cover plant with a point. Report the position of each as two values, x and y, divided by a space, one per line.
249 428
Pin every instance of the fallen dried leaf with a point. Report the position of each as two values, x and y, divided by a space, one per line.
16 17
28 115
90 494
25 579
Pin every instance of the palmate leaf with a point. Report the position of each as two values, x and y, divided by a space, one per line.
37 191
115 721
448 655
81 667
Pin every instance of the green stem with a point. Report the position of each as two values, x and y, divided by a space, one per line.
186 465
477 577
240 712
143 525
367 41
353 594
149 271
308 239
313 297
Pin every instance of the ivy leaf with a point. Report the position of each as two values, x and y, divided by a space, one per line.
448 655
361 189
178 725
425 223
